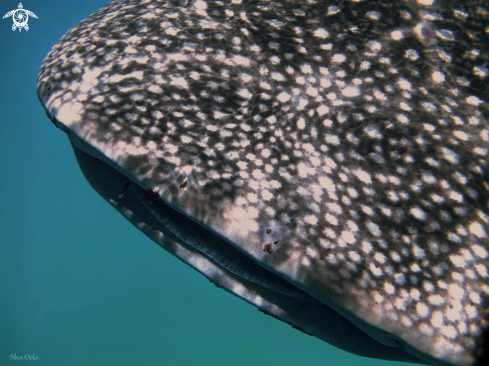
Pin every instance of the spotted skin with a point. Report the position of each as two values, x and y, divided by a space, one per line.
352 135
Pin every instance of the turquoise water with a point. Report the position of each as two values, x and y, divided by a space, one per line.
79 285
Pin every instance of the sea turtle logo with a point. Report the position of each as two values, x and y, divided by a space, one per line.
20 17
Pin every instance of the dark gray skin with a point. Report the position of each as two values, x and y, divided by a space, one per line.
333 153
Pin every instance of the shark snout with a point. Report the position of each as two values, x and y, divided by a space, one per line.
44 91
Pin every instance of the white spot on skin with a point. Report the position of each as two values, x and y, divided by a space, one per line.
379 257
277 76
376 271
258 174
327 184
418 213
456 196
477 229
338 58
245 77
334 207
365 65
366 246
363 176
325 83
302 104
240 60
181 82
397 35
306 69
355 256
461 135
244 93
415 294
422 309
479 251
475 297
266 195
481 270
437 319
404 84
438 77
332 139
373 228
350 92
331 219
155 89
301 123
348 237
374 45
322 110
456 291
283 97
389 288
457 260
321 33
171 31
200 5
313 92
449 331
311 219
436 300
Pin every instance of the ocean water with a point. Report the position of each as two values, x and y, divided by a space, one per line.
79 285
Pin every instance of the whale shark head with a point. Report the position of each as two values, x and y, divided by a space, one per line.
325 161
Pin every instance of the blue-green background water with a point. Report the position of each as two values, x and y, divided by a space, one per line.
79 285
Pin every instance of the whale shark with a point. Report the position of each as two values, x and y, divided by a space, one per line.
325 161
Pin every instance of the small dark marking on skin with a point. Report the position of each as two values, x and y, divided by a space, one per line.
268 248
269 231
124 189
49 87
184 184
302 306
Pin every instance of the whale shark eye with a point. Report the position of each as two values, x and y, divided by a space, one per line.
49 88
